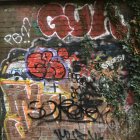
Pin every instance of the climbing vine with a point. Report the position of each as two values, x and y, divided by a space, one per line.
132 46
123 97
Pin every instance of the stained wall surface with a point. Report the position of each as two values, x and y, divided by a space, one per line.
55 61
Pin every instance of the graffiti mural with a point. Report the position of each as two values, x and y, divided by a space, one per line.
69 20
58 86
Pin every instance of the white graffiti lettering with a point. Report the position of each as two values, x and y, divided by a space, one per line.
112 61
23 36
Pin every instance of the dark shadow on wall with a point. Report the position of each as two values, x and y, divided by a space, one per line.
2 116
40 2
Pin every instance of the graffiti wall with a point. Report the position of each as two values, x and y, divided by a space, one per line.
59 64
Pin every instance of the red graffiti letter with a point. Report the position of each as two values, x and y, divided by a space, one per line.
51 19
80 19
98 27
118 29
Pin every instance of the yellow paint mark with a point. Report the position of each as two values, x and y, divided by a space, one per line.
4 69
18 125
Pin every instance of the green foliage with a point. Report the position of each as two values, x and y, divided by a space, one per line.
114 92
134 83
132 47
134 21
